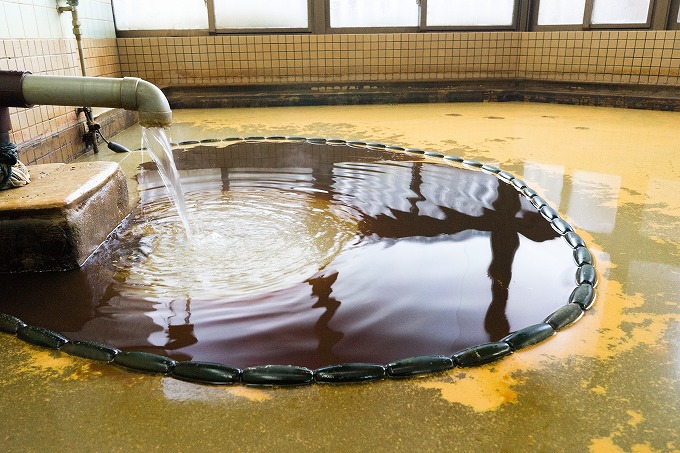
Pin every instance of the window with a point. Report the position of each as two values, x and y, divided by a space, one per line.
620 11
288 14
374 13
160 14
465 13
203 17
594 13
561 12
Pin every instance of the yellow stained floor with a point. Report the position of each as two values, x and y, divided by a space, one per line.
609 383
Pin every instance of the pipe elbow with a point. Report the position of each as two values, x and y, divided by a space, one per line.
148 100
19 89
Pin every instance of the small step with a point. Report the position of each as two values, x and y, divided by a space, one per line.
61 217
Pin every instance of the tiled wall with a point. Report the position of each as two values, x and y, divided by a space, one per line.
637 57
40 19
35 37
320 58
640 57
54 133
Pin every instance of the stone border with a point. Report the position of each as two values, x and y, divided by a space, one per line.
602 94
580 300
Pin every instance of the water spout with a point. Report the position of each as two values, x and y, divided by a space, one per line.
22 89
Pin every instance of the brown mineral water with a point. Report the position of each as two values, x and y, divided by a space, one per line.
309 255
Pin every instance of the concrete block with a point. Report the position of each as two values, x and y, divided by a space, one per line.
58 220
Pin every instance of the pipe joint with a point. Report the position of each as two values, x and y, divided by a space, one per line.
19 89
152 105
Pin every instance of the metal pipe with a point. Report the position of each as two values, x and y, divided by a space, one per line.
129 93
10 94
91 136
5 125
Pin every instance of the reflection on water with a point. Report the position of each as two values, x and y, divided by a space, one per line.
311 255
593 201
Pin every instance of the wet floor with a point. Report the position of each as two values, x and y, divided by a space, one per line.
608 383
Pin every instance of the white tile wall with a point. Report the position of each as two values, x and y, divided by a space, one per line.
40 19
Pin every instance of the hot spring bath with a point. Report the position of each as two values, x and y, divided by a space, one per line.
359 259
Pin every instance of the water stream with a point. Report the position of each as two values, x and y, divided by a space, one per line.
155 140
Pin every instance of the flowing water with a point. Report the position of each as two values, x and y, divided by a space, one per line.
155 140
310 255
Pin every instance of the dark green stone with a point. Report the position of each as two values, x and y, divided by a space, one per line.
454 159
296 139
583 295
473 163
255 138
277 375
564 316
481 354
586 274
206 373
233 139
529 336
90 350
582 256
414 366
42 337
356 144
490 169
189 142
10 324
560 225
574 240
336 141
414 151
373 145
275 138
350 372
144 361
548 213
505 176
518 184
317 141
433 154
210 140
395 148
529 192
538 202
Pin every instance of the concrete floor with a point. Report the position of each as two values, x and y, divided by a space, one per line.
609 383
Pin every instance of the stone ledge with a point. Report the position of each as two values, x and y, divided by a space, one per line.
61 217
653 97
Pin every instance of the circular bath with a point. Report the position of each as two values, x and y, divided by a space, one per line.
356 260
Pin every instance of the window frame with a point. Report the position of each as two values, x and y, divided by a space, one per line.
662 15
146 33
360 30
674 11
213 30
654 7
514 25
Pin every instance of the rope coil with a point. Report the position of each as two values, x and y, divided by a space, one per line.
13 173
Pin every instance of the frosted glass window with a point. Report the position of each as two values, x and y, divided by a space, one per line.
620 11
561 12
261 14
469 13
374 13
160 14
